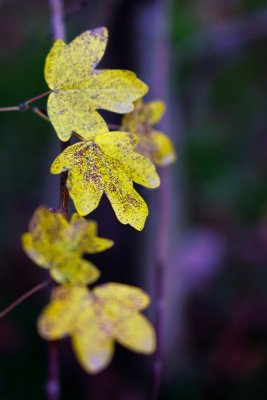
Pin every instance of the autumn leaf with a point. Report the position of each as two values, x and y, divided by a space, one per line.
78 89
96 319
58 245
153 144
108 164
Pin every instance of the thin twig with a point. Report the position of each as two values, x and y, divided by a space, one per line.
24 297
58 29
25 105
13 108
40 96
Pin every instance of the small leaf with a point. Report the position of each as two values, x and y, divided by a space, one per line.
108 165
54 243
78 89
153 144
96 319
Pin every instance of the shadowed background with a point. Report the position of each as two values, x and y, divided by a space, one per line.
207 60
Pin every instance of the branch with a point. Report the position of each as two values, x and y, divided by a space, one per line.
41 113
58 29
25 105
24 297
52 384
71 12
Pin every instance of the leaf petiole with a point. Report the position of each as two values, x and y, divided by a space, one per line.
40 113
25 105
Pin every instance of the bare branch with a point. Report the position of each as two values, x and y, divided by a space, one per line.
25 105
53 383
22 298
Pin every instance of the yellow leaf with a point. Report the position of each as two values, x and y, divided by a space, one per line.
96 319
59 316
131 297
54 243
108 164
92 348
155 145
136 334
78 89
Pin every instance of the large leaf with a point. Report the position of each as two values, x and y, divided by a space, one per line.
108 164
78 89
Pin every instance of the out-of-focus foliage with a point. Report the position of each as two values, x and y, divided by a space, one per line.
224 107
58 245
153 144
95 319
220 76
223 160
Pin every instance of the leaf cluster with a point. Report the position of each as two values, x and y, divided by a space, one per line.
100 162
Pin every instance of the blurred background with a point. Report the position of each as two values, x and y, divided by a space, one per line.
207 60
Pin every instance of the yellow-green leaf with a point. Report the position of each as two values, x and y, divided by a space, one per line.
92 348
96 319
154 144
54 243
108 164
78 89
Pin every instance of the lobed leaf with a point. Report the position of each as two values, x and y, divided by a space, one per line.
69 65
96 319
54 243
78 89
108 165
154 144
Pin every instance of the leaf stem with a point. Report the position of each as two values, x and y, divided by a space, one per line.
64 194
24 297
40 96
40 113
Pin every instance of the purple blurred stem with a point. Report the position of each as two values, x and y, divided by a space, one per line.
58 32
